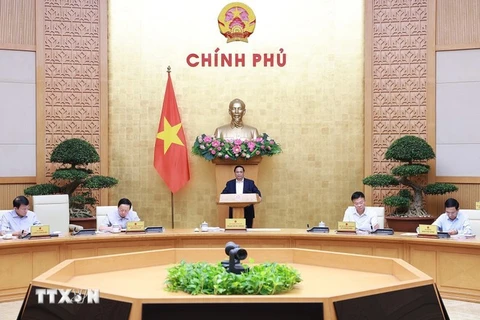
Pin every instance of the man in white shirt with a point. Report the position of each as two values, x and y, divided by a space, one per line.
453 221
119 217
20 219
364 219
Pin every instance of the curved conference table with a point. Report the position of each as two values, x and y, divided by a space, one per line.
452 263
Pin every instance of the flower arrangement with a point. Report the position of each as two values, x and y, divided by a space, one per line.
210 147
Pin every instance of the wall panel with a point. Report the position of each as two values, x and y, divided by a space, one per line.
312 106
458 24
396 80
17 24
72 78
8 192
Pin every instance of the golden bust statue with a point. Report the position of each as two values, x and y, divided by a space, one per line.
236 129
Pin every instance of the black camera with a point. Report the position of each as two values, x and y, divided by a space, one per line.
235 254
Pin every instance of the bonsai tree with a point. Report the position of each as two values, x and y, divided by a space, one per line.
412 152
75 155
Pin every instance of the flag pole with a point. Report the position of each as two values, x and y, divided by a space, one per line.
173 212
169 69
170 157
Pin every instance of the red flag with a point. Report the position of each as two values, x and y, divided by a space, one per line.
170 156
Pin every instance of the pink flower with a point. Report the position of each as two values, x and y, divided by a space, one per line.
213 151
215 143
207 139
272 142
269 148
244 155
218 148
251 145
257 153
236 149
259 139
226 156
262 147
237 142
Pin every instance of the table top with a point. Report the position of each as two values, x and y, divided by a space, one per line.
295 234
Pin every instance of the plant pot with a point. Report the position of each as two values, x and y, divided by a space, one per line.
407 224
240 162
86 223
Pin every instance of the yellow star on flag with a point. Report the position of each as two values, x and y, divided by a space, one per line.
169 135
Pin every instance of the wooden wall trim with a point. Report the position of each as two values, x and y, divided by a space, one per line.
431 95
453 47
459 180
15 180
104 130
40 94
368 97
18 47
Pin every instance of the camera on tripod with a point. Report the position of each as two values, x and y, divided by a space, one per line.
235 254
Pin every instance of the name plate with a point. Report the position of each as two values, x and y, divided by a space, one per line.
136 226
235 224
427 229
40 231
349 226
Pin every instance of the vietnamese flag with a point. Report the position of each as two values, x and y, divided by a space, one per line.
170 155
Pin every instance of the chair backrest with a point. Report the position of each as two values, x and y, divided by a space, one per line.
54 211
102 211
474 217
2 212
380 212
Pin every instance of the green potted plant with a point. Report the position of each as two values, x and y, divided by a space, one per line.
74 155
412 153
212 279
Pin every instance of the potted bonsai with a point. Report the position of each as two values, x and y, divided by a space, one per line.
412 153
75 155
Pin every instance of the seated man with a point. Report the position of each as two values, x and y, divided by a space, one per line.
453 221
364 219
119 217
18 221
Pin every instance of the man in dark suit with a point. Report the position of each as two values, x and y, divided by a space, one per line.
241 185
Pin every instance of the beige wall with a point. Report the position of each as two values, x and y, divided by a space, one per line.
313 106
316 97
